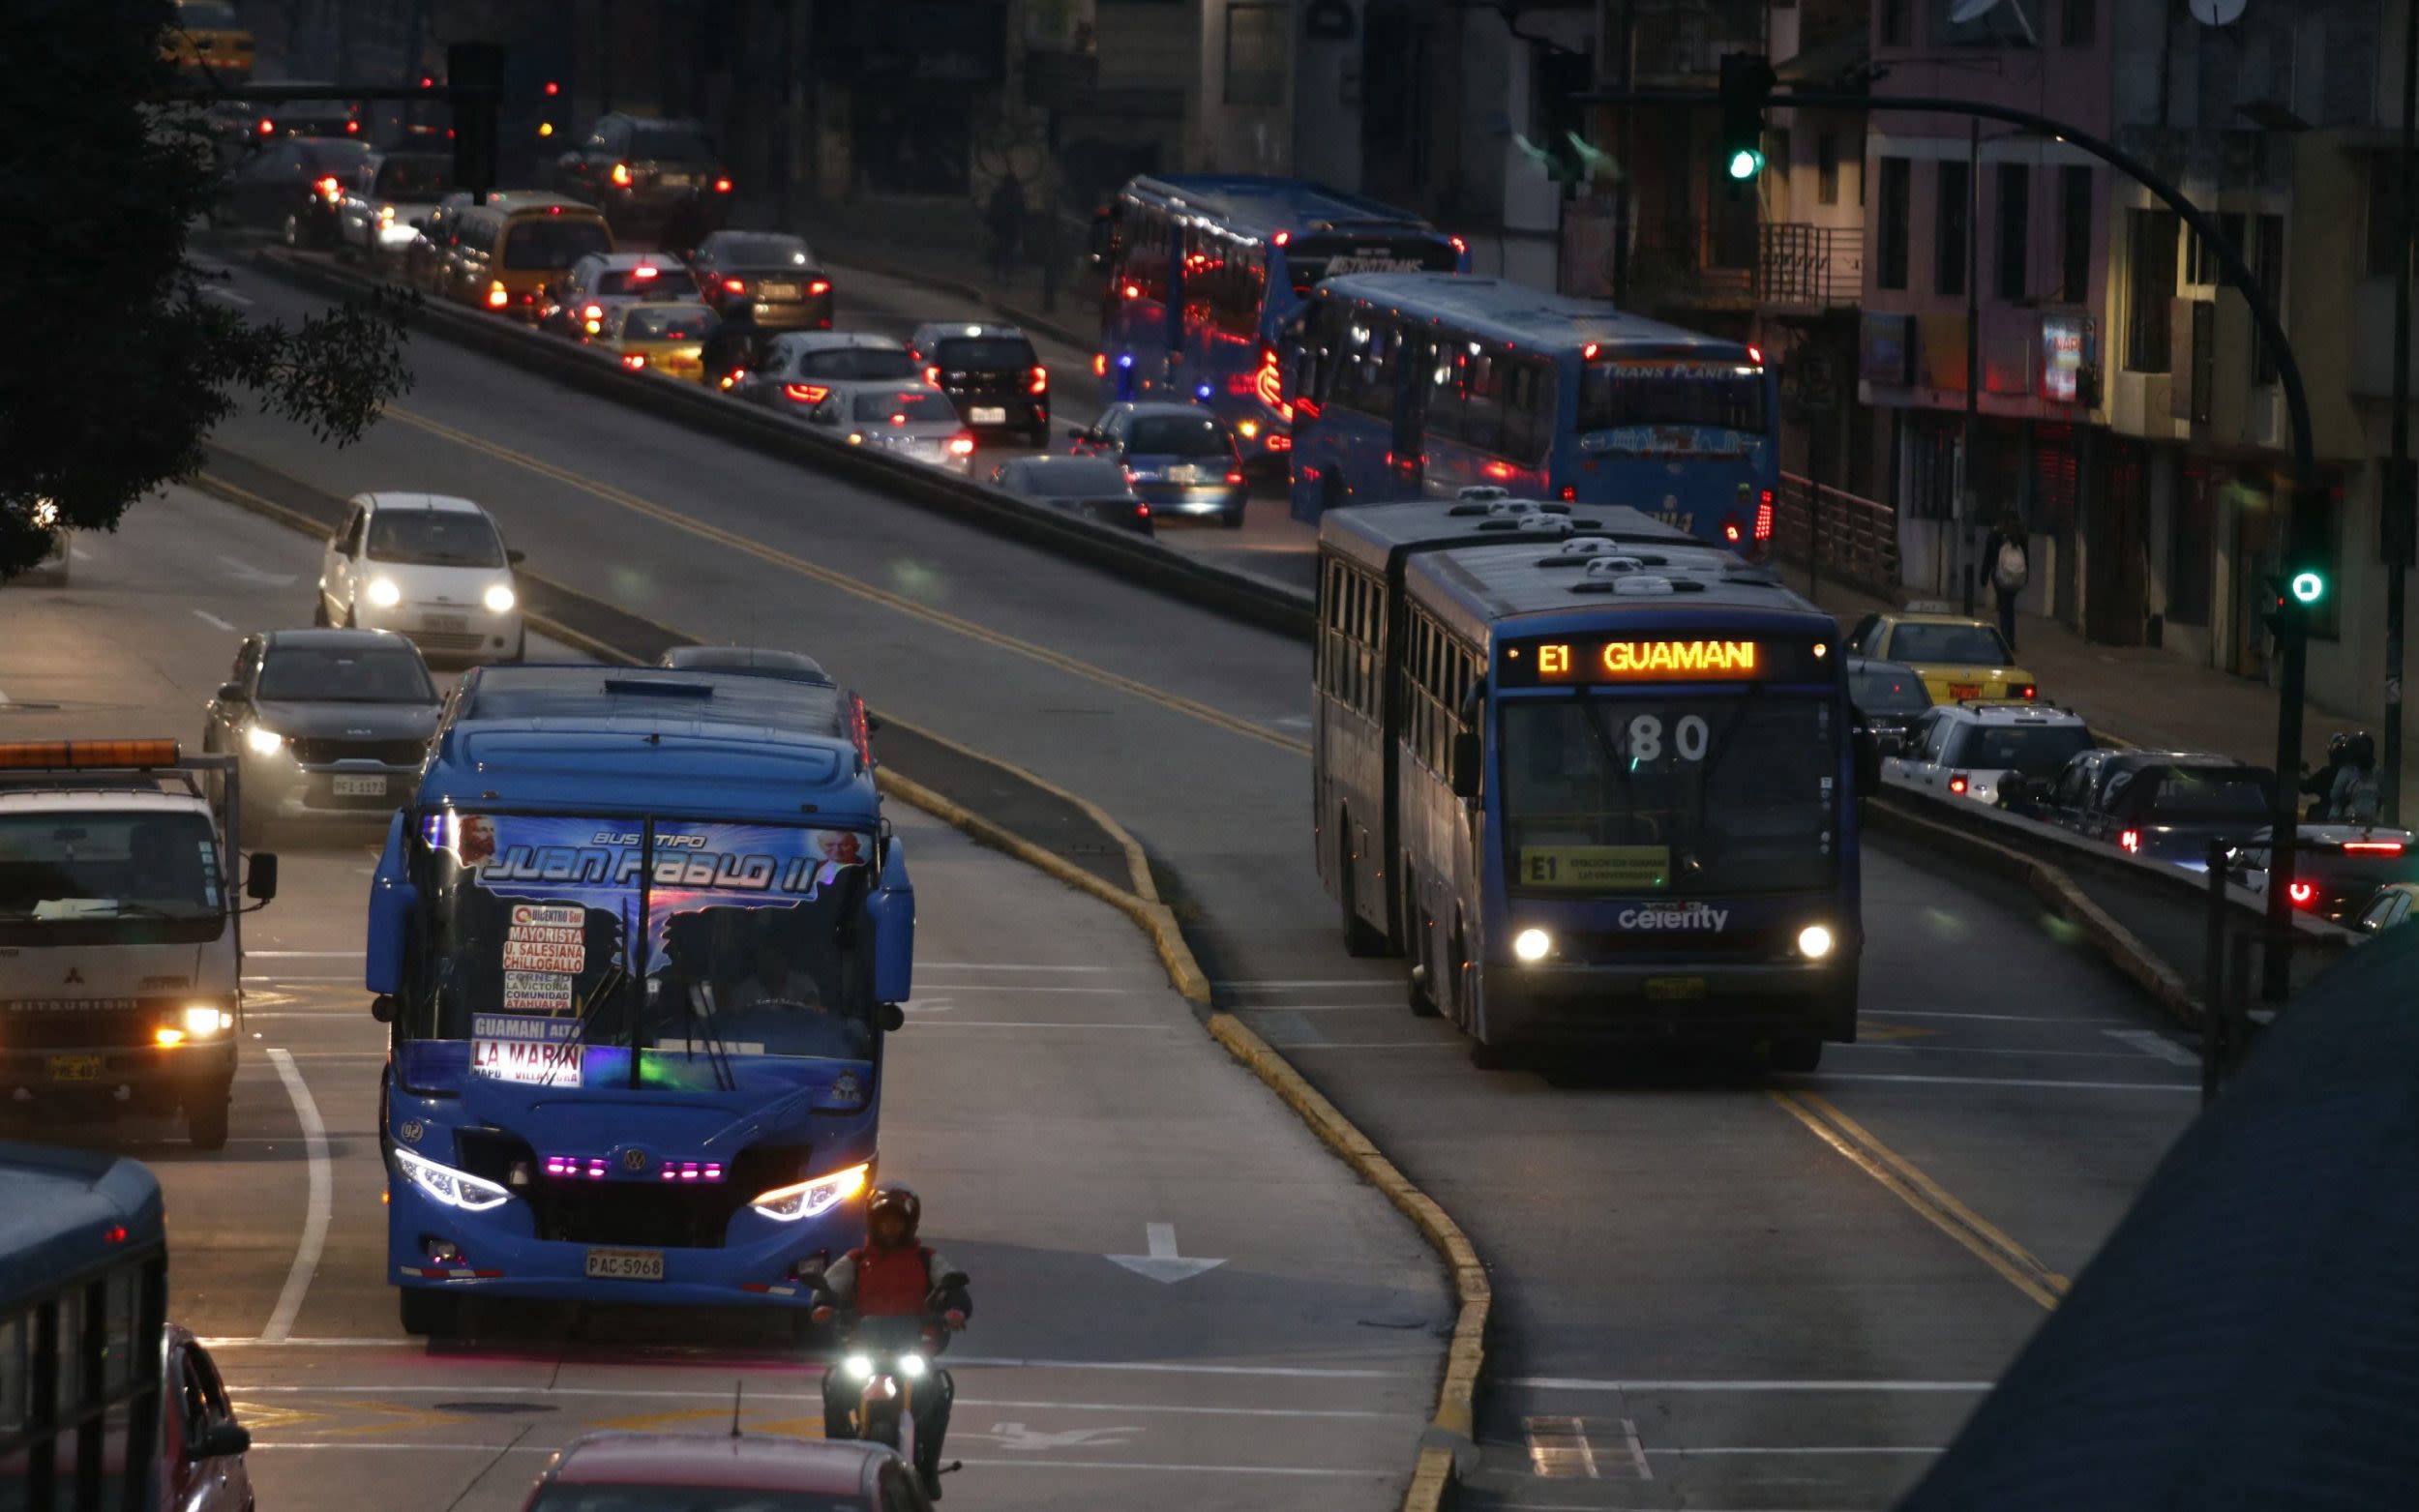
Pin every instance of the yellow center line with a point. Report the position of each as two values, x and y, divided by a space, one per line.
1905 1181
829 577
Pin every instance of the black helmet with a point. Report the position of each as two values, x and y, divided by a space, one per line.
2338 746
892 1197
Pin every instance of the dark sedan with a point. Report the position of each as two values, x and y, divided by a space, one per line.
1889 695
1085 486
328 724
773 275
295 188
1179 459
635 169
2161 805
992 373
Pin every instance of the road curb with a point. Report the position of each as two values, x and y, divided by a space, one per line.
1452 1430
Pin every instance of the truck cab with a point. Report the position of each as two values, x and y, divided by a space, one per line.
121 943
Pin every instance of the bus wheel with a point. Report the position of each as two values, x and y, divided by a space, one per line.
205 1122
1797 1054
1361 937
427 1314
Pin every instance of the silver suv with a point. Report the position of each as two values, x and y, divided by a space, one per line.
1967 749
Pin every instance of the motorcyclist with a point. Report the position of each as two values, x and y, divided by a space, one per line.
2320 783
734 345
2353 799
894 1276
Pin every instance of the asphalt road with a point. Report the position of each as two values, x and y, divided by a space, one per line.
1716 1290
1053 1100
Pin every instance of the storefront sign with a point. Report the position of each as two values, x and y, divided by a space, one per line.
2066 342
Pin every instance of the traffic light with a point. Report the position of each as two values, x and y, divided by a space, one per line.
1747 83
479 65
2306 576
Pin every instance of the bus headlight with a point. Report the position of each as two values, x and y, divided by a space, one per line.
1533 944
811 1199
453 1188
203 1020
1815 941
383 593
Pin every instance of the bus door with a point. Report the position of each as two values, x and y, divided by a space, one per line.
1406 460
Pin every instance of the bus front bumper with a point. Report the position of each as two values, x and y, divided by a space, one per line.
1707 1002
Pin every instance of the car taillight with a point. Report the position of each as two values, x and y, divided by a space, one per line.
644 271
1764 516
2373 848
1957 782
266 125
330 188
498 296
820 286
932 375
1133 291
2027 691
633 361
1141 512
1233 478
592 313
1130 478
721 186
2300 893
1040 381
621 174
805 393
1101 365
735 286
2131 840
1571 491
1730 530
353 126
961 446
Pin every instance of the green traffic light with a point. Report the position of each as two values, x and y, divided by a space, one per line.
2308 587
1746 163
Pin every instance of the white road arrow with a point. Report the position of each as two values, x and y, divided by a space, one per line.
1163 1264
1016 1435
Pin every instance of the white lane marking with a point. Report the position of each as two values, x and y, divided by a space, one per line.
216 292
210 619
1017 1436
2193 1087
2151 1043
78 553
994 1362
1637 1451
624 1394
1989 1017
1163 1264
243 572
315 1234
1583 1384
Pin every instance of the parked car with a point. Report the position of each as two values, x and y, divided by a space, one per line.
2161 805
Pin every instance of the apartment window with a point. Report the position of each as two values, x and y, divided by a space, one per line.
1897 22
1255 52
2078 20
2016 227
1950 222
2150 277
2075 234
2384 211
1995 26
1897 190
1827 169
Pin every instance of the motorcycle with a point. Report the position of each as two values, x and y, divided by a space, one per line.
884 1363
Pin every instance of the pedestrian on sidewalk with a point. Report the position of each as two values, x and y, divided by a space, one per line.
2010 568
1006 219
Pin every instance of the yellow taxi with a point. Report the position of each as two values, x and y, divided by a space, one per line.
1958 657
208 34
667 338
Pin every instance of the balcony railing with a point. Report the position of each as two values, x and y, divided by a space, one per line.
1818 267
1784 266
1685 39
1854 539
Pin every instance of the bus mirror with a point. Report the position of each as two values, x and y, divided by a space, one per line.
392 902
383 1008
1465 764
220 1441
891 910
260 877
892 1017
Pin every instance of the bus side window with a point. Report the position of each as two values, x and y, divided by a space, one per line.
1482 414
1444 389
1530 422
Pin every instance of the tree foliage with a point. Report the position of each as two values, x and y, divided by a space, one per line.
116 360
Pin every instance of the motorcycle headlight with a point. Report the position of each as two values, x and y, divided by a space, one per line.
498 600
453 1188
911 1366
811 1199
45 514
265 742
203 1020
860 1367
384 594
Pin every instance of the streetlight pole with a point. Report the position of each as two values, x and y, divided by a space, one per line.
1625 52
2395 496
1964 526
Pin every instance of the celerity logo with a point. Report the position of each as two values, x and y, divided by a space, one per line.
1674 916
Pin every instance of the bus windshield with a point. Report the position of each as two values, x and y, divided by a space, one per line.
752 944
1685 796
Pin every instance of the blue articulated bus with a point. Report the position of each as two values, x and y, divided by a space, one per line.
83 1314
638 943
1598 781
1205 272
1417 385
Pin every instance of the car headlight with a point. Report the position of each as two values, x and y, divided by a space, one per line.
384 593
1533 944
453 1188
45 514
860 1367
203 1020
1815 941
811 1199
499 599
911 1366
265 742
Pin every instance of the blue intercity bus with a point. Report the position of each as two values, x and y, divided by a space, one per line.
1596 781
1204 272
638 943
1418 385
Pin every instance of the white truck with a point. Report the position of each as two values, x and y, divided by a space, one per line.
121 936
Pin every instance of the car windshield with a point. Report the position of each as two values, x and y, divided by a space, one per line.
544 242
2186 793
2034 749
417 179
670 143
985 352
1176 435
754 944
875 363
1073 478
434 538
561 1497
919 407
344 674
1689 797
689 324
1702 395
731 249
1886 690
646 282
1963 646
69 877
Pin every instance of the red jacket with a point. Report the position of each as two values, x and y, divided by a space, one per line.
878 1283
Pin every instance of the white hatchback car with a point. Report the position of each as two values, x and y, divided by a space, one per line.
431 568
1968 749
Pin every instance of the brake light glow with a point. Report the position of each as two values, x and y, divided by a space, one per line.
621 174
1764 516
498 296
646 270
1038 382
592 313
1461 246
1730 530
633 361
961 446
1756 355
2131 840
329 189
1101 365
735 286
1133 291
1589 351
806 393
1281 238
553 88
2373 848
2300 893
85 755
1233 478
2028 690
1956 783
820 286
721 186
353 126
932 375
267 125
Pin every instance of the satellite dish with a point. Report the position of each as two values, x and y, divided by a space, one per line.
2217 13
1967 12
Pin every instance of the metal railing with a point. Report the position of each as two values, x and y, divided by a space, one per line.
1779 265
1809 266
1851 540
1685 39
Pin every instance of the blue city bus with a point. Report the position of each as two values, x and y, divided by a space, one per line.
83 1320
1204 272
1418 385
1596 781
621 1079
